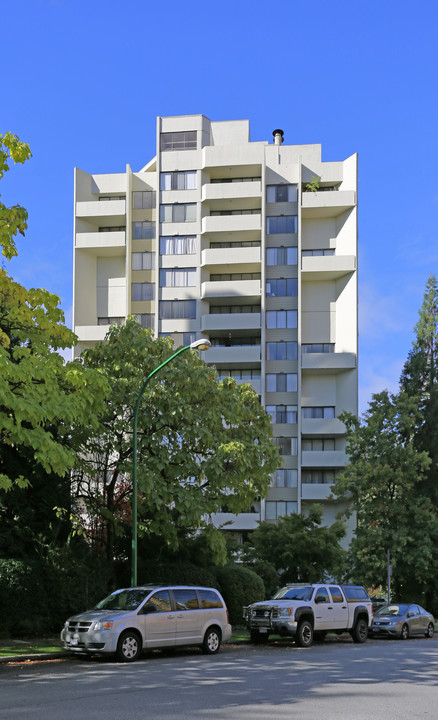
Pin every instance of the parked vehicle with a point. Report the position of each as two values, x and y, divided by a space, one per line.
150 616
305 611
402 621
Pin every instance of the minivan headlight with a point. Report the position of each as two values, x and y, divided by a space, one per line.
103 625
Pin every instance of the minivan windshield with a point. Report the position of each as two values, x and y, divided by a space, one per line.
303 592
128 599
394 610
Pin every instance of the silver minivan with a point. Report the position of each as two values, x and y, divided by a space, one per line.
150 616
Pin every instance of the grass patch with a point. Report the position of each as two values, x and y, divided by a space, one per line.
239 634
25 647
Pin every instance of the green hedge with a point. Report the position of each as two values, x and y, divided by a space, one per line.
239 586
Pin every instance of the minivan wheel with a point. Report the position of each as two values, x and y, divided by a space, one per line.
212 641
128 646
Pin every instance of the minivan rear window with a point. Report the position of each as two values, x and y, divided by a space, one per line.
186 599
209 599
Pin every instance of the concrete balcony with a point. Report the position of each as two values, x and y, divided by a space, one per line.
233 288
101 209
216 192
329 267
323 363
327 204
242 521
323 426
101 240
315 491
326 459
231 321
225 356
91 333
248 226
224 257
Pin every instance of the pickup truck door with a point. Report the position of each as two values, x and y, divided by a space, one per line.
323 609
340 607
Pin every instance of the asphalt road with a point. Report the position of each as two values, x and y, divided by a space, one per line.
381 680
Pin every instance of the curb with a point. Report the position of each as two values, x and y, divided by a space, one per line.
32 657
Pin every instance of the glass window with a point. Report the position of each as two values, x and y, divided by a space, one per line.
282 413
318 476
317 348
142 291
183 212
281 287
143 199
282 256
178 140
161 601
177 277
177 309
281 193
144 230
281 224
281 319
178 180
282 350
336 594
142 261
189 338
177 244
285 477
274 510
146 320
209 599
316 413
322 596
185 600
281 382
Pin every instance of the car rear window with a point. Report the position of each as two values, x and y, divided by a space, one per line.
209 599
355 594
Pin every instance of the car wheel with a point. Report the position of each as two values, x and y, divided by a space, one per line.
258 638
128 646
360 631
404 632
212 641
304 636
429 631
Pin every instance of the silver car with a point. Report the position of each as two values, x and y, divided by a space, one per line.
150 616
403 621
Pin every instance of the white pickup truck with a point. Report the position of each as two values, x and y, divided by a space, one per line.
308 611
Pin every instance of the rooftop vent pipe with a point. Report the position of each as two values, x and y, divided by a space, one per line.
278 137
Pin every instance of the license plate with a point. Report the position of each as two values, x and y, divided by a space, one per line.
263 630
74 640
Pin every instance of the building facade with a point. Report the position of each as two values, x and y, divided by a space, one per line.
253 245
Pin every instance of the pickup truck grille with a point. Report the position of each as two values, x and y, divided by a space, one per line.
79 626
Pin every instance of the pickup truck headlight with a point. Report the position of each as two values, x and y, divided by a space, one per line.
102 626
285 612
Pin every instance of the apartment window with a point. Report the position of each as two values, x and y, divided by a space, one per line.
178 212
142 261
232 309
284 477
282 256
282 413
177 277
177 244
318 477
286 445
238 244
246 375
317 253
113 228
188 338
318 413
223 277
274 510
317 348
282 350
281 224
177 309
281 319
282 287
146 320
178 140
143 199
111 197
110 320
143 291
318 444
178 180
144 230
252 211
281 382
281 193
236 179
234 341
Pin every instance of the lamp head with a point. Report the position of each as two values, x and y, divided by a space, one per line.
202 344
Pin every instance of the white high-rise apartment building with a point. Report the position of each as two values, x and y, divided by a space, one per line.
253 245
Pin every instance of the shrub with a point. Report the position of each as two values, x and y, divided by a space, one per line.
239 586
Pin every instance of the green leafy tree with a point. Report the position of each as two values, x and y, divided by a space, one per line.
419 379
299 547
201 443
12 219
382 484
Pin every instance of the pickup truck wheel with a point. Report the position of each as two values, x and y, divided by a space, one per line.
360 631
258 637
304 636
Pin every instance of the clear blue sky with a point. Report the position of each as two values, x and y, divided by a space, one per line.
82 82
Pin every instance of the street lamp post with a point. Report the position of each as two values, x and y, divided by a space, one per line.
197 345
